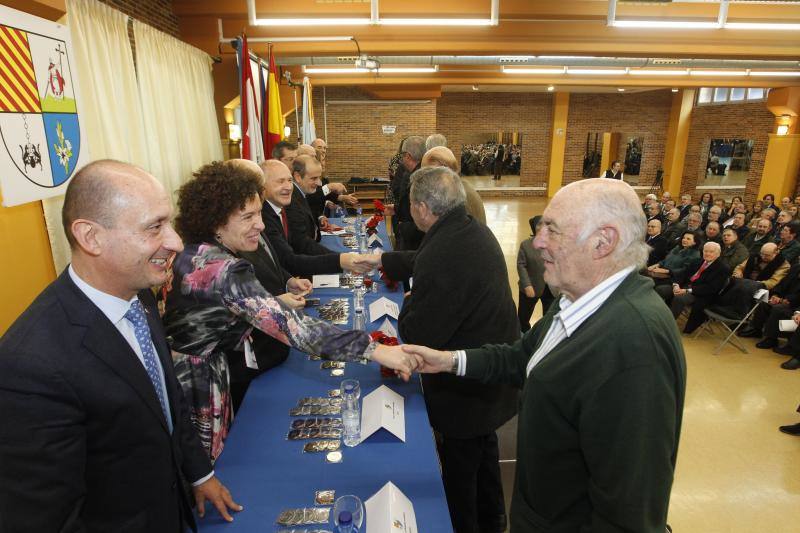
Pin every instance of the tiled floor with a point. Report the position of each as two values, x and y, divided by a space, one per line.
736 472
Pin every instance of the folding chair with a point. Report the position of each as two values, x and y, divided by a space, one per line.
731 325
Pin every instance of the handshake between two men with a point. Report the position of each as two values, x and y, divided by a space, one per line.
410 358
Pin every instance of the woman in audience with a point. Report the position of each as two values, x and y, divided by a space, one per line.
755 214
732 209
792 209
705 203
215 300
681 258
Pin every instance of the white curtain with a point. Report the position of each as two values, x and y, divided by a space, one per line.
165 123
177 96
109 99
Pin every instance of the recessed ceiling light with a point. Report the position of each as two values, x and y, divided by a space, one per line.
475 87
674 89
551 88
621 89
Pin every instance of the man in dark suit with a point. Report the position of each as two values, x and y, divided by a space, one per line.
278 190
304 231
699 289
656 242
615 172
603 374
686 205
460 297
95 433
407 235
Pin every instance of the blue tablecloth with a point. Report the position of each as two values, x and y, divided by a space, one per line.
267 473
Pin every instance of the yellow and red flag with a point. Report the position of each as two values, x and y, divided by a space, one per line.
272 122
18 91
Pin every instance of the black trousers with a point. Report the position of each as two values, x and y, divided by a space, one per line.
678 303
526 306
767 316
472 483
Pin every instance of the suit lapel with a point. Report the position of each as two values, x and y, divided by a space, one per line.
104 341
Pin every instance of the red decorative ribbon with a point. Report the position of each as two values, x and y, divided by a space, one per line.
390 283
379 207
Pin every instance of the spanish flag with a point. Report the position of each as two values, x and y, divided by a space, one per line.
272 121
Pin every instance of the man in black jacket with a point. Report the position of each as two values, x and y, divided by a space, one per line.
278 189
784 299
699 289
460 297
407 235
95 433
304 231
656 242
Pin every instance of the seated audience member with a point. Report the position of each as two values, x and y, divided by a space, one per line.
785 201
694 221
713 215
755 212
532 288
784 217
705 203
94 433
686 205
277 194
442 156
770 214
793 210
666 207
665 197
769 202
671 227
712 233
733 252
654 212
656 242
649 200
783 300
767 268
699 289
683 257
788 245
215 299
759 236
733 209
739 224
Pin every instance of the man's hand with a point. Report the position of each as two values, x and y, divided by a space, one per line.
299 286
219 496
388 210
796 319
775 300
351 261
323 223
397 359
736 274
430 361
338 188
529 292
349 199
292 301
369 260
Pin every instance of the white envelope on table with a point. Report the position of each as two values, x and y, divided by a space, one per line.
323 281
389 510
337 232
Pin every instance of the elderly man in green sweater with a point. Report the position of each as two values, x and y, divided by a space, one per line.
602 374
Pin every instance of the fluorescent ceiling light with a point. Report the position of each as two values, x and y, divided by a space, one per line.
597 71
658 72
407 70
434 22
677 24
718 73
540 71
334 70
775 73
314 22
761 26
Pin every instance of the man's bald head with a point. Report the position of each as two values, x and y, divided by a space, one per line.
100 191
246 166
273 168
306 149
319 143
440 156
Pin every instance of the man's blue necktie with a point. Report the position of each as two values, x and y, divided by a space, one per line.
142 330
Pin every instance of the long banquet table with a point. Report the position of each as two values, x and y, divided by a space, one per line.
266 473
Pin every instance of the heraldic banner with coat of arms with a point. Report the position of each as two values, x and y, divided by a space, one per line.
40 130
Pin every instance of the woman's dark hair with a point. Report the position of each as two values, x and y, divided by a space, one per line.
206 202
699 238
710 198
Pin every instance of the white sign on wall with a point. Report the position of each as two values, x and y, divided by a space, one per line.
41 137
389 130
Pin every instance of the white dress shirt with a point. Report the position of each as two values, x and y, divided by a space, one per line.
566 321
114 309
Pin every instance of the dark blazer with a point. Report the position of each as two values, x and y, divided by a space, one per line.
789 287
600 416
304 233
658 249
711 281
268 351
460 299
317 200
84 445
407 234
297 264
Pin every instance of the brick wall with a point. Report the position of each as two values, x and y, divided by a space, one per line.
742 121
356 144
156 13
643 115
459 116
